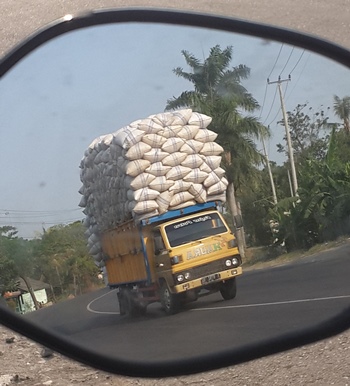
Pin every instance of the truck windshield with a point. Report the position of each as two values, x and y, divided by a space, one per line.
194 228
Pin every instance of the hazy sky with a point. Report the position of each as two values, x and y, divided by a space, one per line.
95 81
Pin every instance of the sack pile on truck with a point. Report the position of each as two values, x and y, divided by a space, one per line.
165 162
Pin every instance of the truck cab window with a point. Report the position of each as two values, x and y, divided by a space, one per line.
195 228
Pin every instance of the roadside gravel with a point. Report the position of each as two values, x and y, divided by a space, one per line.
324 363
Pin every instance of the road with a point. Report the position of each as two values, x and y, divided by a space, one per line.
269 302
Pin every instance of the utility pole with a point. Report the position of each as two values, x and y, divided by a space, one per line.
289 142
270 173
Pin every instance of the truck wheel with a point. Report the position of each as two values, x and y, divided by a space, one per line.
228 289
129 306
169 301
122 303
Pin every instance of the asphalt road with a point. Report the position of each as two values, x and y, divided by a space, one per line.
270 302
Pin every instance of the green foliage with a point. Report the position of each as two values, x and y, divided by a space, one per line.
8 274
59 257
15 257
218 92
309 133
322 210
341 108
62 259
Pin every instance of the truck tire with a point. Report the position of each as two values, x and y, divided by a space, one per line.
228 289
170 302
129 306
122 303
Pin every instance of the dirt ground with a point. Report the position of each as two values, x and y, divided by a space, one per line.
23 362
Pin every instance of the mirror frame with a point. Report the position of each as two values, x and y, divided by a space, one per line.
336 325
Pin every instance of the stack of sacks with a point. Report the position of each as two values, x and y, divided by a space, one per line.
165 162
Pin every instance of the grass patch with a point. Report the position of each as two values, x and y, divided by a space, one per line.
263 257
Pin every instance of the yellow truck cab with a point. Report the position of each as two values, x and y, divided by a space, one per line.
172 258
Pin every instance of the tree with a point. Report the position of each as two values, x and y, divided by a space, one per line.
308 132
341 108
322 210
17 259
219 93
62 259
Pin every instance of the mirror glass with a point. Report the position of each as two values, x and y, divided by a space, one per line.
94 81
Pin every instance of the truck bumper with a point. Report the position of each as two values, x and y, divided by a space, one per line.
206 280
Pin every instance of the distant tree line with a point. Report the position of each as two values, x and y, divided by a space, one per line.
58 257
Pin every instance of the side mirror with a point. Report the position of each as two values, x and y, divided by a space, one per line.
84 76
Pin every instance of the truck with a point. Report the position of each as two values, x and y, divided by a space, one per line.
172 258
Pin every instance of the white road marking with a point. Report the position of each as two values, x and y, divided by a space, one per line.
88 307
272 303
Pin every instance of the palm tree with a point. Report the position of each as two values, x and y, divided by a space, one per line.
341 108
219 93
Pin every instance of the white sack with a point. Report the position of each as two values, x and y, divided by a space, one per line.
142 181
155 155
199 120
205 135
158 169
174 159
212 148
145 207
137 151
177 173
136 167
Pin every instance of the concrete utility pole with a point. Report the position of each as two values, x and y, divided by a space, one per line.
289 141
274 195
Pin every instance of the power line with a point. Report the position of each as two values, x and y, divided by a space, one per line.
297 62
273 102
39 222
276 61
295 84
287 61
262 108
40 211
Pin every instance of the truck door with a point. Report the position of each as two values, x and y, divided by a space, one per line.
162 258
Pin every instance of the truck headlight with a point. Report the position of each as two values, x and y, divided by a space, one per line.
228 263
235 262
180 278
232 243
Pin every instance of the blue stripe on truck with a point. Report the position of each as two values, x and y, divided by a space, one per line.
179 212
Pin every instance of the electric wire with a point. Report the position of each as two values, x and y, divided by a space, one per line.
262 107
301 72
272 104
273 67
302 54
276 61
290 55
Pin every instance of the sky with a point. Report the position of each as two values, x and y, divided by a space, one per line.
94 81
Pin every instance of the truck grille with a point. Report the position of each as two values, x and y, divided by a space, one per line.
207 269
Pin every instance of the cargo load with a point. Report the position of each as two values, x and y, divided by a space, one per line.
165 162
